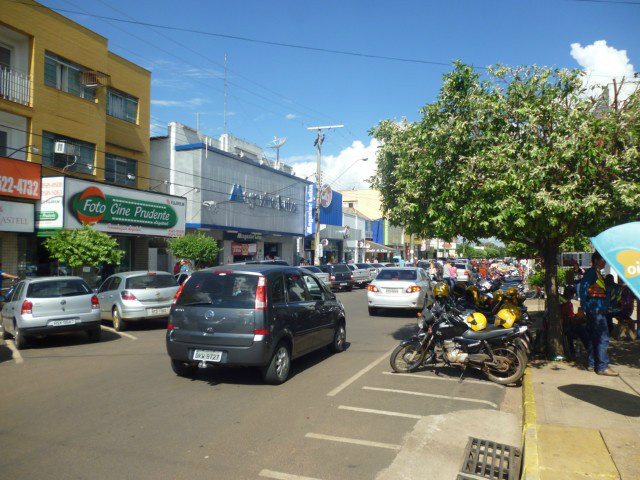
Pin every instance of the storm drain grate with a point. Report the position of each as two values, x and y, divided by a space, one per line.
493 460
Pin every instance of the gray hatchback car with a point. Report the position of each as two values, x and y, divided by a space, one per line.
252 315
131 296
50 305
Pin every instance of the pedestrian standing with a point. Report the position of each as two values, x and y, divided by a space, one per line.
446 274
595 302
578 273
4 275
453 273
184 266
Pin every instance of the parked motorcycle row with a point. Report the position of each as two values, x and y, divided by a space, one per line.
480 326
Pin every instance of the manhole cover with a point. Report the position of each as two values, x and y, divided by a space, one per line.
487 459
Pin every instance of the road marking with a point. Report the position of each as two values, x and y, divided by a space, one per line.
380 412
344 385
283 476
354 441
15 352
122 334
429 377
432 395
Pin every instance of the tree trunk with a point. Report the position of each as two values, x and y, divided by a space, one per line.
554 338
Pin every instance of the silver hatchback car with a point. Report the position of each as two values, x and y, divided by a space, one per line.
132 296
50 305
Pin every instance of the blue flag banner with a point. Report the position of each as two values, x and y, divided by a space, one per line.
620 248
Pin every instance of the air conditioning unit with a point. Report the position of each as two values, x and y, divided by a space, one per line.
65 148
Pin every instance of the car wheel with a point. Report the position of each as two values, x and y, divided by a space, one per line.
183 369
349 288
339 338
373 311
94 335
118 323
20 340
5 335
363 285
277 371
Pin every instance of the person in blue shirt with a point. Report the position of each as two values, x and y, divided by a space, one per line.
595 302
4 275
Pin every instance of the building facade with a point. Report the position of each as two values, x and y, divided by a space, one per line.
70 105
252 207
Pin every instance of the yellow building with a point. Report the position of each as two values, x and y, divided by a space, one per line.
69 103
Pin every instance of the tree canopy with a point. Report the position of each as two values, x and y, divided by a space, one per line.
84 246
521 154
198 247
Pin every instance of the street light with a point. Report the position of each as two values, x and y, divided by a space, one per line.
31 148
164 182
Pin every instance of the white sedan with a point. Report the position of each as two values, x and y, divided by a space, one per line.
406 288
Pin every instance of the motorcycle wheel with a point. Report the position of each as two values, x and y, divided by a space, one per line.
511 364
407 358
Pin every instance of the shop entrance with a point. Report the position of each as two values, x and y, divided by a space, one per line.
272 251
243 252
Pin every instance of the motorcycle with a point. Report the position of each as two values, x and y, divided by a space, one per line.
446 337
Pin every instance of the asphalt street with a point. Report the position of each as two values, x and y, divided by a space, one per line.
73 409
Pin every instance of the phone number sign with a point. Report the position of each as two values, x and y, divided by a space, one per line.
19 178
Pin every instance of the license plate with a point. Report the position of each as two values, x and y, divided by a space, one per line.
207 355
392 291
343 284
159 311
60 323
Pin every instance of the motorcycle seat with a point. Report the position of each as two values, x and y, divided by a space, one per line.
488 335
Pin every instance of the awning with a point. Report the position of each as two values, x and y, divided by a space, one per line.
373 247
620 248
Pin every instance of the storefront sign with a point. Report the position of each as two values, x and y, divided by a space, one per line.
326 196
310 210
120 210
244 249
50 209
16 217
277 202
242 236
19 178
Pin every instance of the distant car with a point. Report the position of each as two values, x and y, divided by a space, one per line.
252 315
373 271
262 262
50 305
340 277
464 270
361 276
322 276
378 265
400 288
390 265
134 296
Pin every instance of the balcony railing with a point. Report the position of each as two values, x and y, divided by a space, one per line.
14 86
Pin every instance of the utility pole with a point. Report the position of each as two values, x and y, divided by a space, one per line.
225 92
318 143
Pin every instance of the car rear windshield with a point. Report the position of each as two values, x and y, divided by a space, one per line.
397 275
58 288
225 290
312 269
341 268
461 266
143 282
363 265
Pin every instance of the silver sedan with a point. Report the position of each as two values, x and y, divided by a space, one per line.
400 287
132 296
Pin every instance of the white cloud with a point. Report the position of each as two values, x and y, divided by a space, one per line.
602 63
343 171
291 116
194 102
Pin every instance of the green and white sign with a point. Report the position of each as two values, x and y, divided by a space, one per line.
50 207
119 210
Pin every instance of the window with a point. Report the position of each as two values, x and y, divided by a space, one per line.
142 282
397 275
277 291
315 290
122 106
4 137
58 288
5 57
66 76
296 289
106 285
220 289
120 170
79 156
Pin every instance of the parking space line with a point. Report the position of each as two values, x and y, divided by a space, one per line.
15 353
354 441
429 377
432 395
380 412
348 382
283 476
122 334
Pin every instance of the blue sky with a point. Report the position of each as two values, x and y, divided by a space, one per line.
277 91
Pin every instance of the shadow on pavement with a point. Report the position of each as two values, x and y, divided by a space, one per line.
142 325
69 339
606 398
405 331
5 353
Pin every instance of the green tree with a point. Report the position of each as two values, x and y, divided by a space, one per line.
200 248
523 155
83 246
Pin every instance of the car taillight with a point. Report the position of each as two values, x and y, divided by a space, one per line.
466 272
261 294
261 331
127 295
169 326
177 295
95 303
27 308
352 277
372 288
413 289
332 278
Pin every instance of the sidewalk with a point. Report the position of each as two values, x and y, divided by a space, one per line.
580 425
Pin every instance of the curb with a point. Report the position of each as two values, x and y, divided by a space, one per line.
531 461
